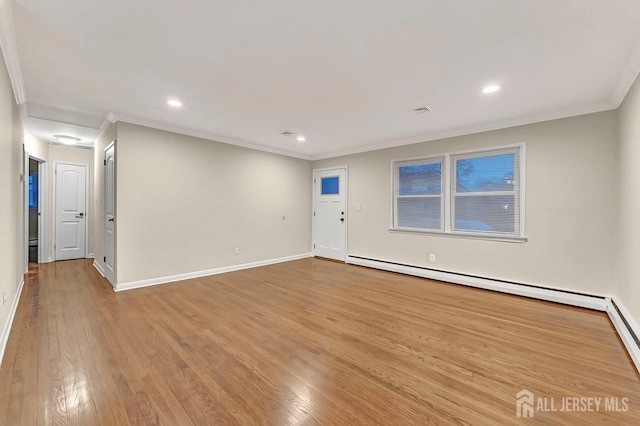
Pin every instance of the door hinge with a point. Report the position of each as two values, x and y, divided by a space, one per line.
104 259
104 162
314 213
314 180
314 246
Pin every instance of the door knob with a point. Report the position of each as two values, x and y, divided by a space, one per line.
80 215
111 220
342 219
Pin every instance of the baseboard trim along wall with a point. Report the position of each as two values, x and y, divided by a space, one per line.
627 329
189 275
12 313
98 267
599 303
91 256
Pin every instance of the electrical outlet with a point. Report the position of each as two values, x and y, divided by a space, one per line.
237 250
432 257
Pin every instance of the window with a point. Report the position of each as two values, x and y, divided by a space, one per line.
418 201
474 193
330 185
33 191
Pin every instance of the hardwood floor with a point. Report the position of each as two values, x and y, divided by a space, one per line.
303 342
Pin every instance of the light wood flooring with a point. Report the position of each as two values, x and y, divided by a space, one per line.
303 342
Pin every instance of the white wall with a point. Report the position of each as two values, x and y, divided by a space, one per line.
628 250
184 204
11 195
36 147
570 207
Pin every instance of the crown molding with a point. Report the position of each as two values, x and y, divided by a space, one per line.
108 119
627 77
117 117
10 51
484 127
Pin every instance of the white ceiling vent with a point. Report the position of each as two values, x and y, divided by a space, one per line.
422 110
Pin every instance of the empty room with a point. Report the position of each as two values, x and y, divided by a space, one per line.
292 212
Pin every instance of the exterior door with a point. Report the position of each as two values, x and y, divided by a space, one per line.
71 214
109 213
330 213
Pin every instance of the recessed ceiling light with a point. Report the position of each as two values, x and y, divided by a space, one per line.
174 103
67 140
491 88
301 138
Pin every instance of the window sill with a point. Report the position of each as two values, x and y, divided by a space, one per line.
473 236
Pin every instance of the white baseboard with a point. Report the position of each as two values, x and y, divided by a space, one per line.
91 255
50 260
624 332
7 326
558 296
97 265
189 275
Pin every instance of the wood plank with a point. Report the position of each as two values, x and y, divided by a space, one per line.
307 341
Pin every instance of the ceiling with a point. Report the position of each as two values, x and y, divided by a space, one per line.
347 75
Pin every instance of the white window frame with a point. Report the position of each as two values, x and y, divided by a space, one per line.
448 192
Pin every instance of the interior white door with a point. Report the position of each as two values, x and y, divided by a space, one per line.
330 213
71 217
109 214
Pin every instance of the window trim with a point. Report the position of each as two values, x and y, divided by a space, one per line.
447 193
395 187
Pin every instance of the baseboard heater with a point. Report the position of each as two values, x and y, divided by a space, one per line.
626 324
627 330
565 297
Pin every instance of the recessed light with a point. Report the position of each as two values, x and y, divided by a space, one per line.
301 138
491 88
67 140
174 103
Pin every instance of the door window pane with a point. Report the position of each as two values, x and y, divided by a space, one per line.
330 185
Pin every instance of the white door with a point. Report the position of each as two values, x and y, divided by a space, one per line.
109 213
330 213
71 215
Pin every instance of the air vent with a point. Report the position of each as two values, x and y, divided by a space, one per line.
287 133
422 110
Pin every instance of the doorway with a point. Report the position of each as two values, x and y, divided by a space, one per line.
71 210
109 213
35 209
34 212
330 213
